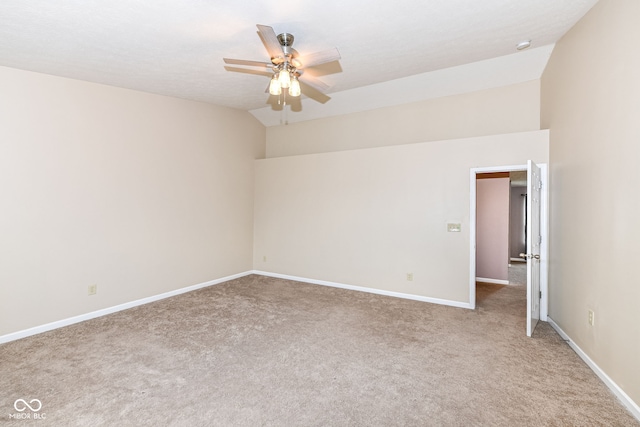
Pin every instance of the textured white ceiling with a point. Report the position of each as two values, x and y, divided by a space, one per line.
175 47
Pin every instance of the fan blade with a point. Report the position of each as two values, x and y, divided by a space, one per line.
249 71
310 81
248 63
318 58
270 41
313 93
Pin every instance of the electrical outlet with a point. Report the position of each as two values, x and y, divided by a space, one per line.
93 289
592 318
264 258
410 277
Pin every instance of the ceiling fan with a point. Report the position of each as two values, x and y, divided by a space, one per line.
287 66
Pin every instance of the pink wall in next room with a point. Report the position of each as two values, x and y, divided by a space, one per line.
492 228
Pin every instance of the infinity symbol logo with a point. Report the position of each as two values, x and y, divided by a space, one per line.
21 405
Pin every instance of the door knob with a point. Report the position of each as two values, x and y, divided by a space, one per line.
529 256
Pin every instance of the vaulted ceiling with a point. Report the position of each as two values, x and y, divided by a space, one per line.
391 52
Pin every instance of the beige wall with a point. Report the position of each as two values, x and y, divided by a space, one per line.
507 109
137 193
368 217
591 103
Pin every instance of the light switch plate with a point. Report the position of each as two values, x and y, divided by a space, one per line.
453 227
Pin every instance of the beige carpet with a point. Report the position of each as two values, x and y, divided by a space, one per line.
259 351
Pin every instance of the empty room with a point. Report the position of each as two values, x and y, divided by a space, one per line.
241 213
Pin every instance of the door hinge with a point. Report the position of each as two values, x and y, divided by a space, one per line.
539 240
540 294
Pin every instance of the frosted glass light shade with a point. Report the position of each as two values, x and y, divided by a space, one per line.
274 86
294 90
284 79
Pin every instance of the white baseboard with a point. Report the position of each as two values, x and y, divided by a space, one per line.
103 312
365 289
109 310
624 398
496 281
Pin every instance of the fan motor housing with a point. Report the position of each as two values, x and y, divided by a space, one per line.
286 39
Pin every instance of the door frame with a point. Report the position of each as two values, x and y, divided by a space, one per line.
544 231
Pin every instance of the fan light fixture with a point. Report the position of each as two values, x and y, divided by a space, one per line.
274 86
294 89
285 77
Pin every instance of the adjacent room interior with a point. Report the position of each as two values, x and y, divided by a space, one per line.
168 259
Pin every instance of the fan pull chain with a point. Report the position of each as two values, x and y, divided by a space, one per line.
284 116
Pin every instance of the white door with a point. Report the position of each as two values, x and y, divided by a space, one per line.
534 239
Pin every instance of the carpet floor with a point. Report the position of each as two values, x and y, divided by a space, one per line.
260 351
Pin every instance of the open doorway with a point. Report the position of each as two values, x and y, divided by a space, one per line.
536 288
501 227
493 227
